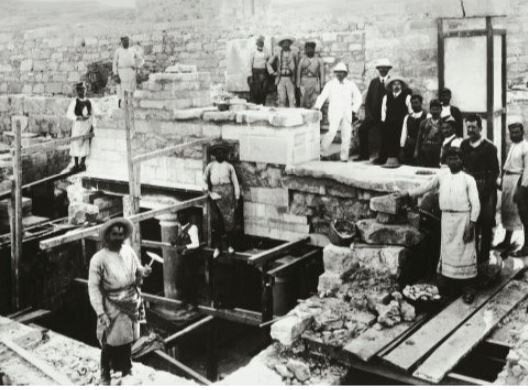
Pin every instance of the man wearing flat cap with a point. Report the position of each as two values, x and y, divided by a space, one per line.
124 67
286 73
114 277
310 76
375 93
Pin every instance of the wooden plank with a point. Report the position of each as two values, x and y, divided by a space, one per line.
50 145
32 316
188 329
17 226
182 367
413 350
292 262
38 363
459 379
168 150
462 341
87 232
373 340
261 258
58 176
420 320
19 313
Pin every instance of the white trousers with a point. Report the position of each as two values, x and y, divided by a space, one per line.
346 135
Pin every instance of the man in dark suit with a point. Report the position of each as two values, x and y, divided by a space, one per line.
449 110
376 92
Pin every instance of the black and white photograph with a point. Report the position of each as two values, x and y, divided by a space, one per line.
263 193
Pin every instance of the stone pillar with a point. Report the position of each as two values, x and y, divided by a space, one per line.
171 267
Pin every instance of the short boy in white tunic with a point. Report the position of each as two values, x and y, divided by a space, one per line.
459 202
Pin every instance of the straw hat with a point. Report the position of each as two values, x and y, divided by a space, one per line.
129 227
383 63
219 147
286 38
396 78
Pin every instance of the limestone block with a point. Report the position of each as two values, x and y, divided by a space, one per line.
389 204
79 213
319 240
271 196
252 117
26 65
181 68
188 114
329 282
286 118
219 116
380 257
338 259
289 329
373 232
300 369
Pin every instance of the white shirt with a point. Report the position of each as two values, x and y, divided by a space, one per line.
384 105
517 161
457 192
446 111
126 58
193 235
344 97
403 137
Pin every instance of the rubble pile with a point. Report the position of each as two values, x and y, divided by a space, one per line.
510 328
392 310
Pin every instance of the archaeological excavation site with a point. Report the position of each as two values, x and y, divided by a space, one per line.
162 206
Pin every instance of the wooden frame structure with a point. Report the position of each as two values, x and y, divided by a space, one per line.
489 32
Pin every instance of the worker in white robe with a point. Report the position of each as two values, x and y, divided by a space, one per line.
127 61
114 277
344 101
81 113
460 206
514 201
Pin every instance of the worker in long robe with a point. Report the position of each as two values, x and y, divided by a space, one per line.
481 161
222 183
460 206
114 277
514 201
186 243
344 101
258 81
81 113
310 76
124 67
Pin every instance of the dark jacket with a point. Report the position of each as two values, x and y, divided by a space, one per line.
483 164
375 93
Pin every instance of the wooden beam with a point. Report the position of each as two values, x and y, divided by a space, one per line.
50 145
462 342
57 376
246 317
188 329
156 244
168 150
17 226
32 316
87 232
458 379
260 259
293 262
407 355
183 368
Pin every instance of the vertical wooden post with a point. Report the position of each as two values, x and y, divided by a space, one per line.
490 60
212 358
134 173
16 216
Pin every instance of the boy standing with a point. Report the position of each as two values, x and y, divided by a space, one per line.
429 141
460 205
411 126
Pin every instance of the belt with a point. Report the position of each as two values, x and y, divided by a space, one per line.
285 73
455 211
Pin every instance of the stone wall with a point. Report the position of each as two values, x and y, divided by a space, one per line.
49 60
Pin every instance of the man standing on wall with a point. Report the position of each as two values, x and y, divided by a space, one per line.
286 72
481 161
514 201
258 81
114 277
375 93
344 100
310 76
396 104
449 110
126 62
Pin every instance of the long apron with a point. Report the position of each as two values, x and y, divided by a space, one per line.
128 81
226 205
458 260
509 211
80 148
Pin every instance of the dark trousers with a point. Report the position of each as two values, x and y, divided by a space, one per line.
188 277
452 288
363 134
429 156
390 139
484 227
116 358
522 207
258 87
